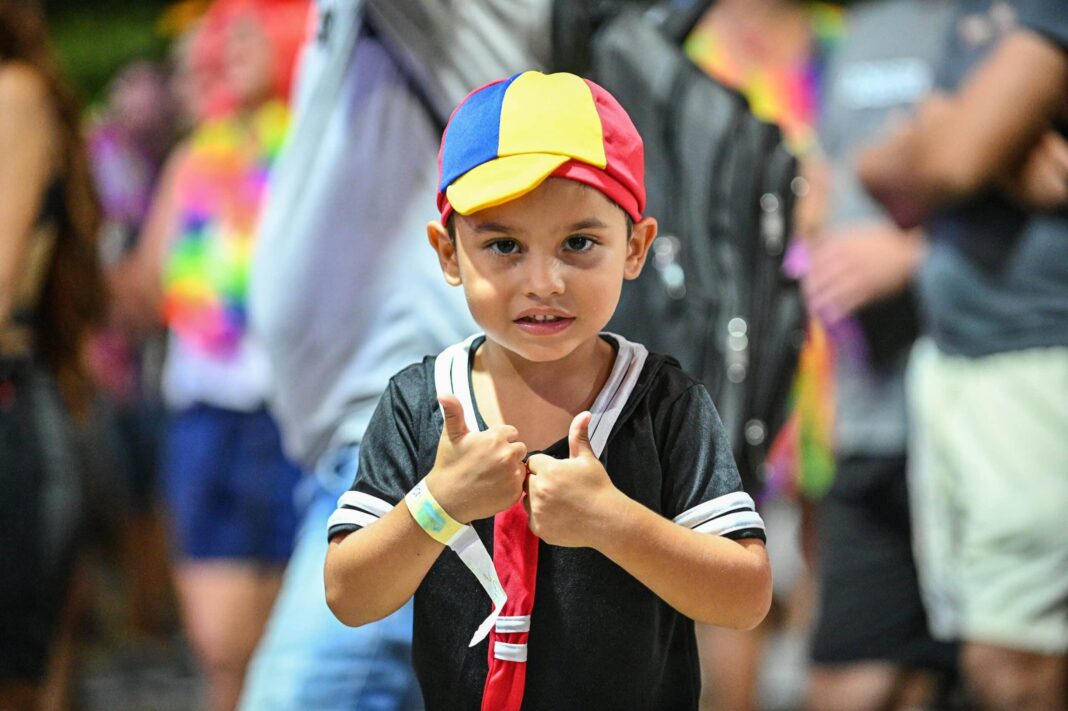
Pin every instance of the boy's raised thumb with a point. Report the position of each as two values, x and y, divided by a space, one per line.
453 412
578 437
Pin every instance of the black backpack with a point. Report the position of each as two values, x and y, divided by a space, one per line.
722 185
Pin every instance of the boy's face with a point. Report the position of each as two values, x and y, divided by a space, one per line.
542 274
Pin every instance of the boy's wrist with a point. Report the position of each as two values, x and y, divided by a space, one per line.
443 495
430 515
611 522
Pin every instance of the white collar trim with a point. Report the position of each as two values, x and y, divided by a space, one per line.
451 378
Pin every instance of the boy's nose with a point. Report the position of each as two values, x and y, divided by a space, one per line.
544 278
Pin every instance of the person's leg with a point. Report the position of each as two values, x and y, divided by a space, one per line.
307 658
39 516
858 686
225 605
871 628
1010 680
1011 454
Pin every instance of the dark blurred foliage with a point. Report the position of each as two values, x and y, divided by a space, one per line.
94 38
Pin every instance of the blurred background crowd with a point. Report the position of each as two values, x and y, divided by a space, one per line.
212 258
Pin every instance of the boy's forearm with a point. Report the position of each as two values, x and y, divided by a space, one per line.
372 572
708 578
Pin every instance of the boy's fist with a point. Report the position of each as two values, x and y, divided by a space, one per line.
568 499
475 474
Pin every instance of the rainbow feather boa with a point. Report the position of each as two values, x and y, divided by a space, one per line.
219 187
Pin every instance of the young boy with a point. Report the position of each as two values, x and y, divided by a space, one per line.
598 474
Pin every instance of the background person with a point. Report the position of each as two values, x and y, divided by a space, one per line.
51 295
228 485
871 648
984 166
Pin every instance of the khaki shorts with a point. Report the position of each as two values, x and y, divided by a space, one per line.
989 487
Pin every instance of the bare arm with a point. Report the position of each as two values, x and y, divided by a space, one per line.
27 147
374 571
708 578
137 281
959 144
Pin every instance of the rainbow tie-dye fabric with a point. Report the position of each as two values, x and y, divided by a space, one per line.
788 96
219 188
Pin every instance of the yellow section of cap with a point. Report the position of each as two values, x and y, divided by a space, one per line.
501 180
546 120
551 113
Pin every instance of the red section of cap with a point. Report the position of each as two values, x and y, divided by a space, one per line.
616 191
623 149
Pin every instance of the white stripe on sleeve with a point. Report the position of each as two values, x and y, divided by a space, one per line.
350 517
708 510
732 522
365 502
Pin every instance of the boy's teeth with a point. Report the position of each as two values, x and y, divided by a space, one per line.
543 318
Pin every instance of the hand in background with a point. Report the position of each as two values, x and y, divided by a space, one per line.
810 210
1040 182
567 498
866 264
476 474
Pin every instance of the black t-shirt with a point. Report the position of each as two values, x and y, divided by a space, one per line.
599 638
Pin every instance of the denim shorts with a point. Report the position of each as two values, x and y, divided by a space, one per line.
229 487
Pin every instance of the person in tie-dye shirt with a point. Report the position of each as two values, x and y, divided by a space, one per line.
228 486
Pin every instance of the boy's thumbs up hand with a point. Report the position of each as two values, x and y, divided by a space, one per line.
578 436
568 500
475 474
455 425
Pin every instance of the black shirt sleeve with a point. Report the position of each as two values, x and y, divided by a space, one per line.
389 456
1048 18
703 489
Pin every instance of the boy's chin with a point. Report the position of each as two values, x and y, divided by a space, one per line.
540 349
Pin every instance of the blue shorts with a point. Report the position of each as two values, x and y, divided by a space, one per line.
229 487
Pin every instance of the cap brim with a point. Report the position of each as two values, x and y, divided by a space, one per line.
501 180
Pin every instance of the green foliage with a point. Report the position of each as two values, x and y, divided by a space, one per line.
93 40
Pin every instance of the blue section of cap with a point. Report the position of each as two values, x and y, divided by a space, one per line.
474 132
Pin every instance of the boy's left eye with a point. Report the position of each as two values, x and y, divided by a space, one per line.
504 247
579 243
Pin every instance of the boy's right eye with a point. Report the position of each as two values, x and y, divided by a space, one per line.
504 246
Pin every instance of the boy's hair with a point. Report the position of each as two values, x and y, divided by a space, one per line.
508 136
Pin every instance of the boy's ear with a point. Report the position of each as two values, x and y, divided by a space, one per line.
641 238
446 249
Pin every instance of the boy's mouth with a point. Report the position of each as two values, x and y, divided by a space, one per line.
543 324
540 318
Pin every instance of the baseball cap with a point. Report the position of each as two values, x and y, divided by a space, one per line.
508 136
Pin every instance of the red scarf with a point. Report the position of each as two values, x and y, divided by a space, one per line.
515 556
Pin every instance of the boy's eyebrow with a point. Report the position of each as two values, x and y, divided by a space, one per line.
496 227
499 227
587 224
